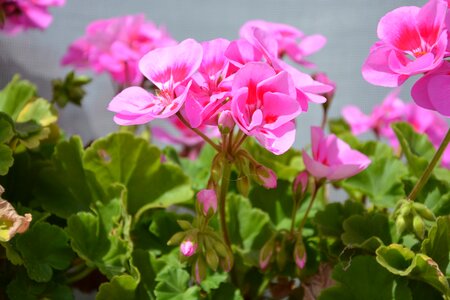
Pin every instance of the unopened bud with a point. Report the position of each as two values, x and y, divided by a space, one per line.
323 78
226 122
265 255
208 201
405 209
300 184
419 226
243 185
424 211
188 248
212 259
266 177
281 257
176 238
400 224
300 254
199 270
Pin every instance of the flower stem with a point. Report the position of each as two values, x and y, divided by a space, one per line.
201 134
226 172
427 173
311 202
240 138
83 272
324 118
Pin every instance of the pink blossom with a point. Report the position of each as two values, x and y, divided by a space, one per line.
432 90
188 248
226 121
22 15
289 40
413 40
207 200
12 223
301 183
170 70
332 158
115 46
264 106
210 89
266 177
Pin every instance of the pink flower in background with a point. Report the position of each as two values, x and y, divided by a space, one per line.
432 90
170 70
392 109
413 40
22 15
208 200
115 46
332 158
266 177
289 40
210 86
264 105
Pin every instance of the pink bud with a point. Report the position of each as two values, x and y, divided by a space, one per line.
300 255
188 248
301 183
266 177
226 121
323 78
208 200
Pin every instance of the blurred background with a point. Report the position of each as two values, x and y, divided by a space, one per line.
349 25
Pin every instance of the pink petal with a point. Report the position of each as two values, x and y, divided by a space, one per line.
312 43
358 121
279 109
439 93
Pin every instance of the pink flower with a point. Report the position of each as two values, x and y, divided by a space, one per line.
11 222
170 70
413 40
332 158
264 106
209 88
289 40
115 46
391 110
432 90
301 183
207 200
226 121
22 15
188 248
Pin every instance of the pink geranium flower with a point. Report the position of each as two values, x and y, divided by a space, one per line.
289 40
332 158
188 248
116 45
432 90
170 70
22 15
264 106
413 40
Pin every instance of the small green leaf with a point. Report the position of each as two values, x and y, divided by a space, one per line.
437 245
119 288
213 281
15 96
44 247
173 284
330 220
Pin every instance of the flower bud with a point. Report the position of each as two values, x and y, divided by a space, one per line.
226 122
208 201
266 253
300 254
212 259
400 224
176 238
188 248
424 211
266 177
419 226
243 185
300 184
199 269
323 78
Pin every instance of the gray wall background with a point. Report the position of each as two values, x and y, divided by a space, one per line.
349 25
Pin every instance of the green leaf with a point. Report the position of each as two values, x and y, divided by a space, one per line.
437 245
381 181
121 287
173 285
65 187
40 111
439 204
417 147
330 220
226 291
22 288
15 96
44 247
199 170
6 159
131 161
213 281
6 134
362 278
399 260
366 231
100 238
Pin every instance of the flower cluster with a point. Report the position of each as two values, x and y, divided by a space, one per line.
115 46
19 15
393 109
414 41
245 77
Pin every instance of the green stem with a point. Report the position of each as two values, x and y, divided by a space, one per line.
311 202
80 275
240 138
201 134
324 118
294 214
226 172
427 173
